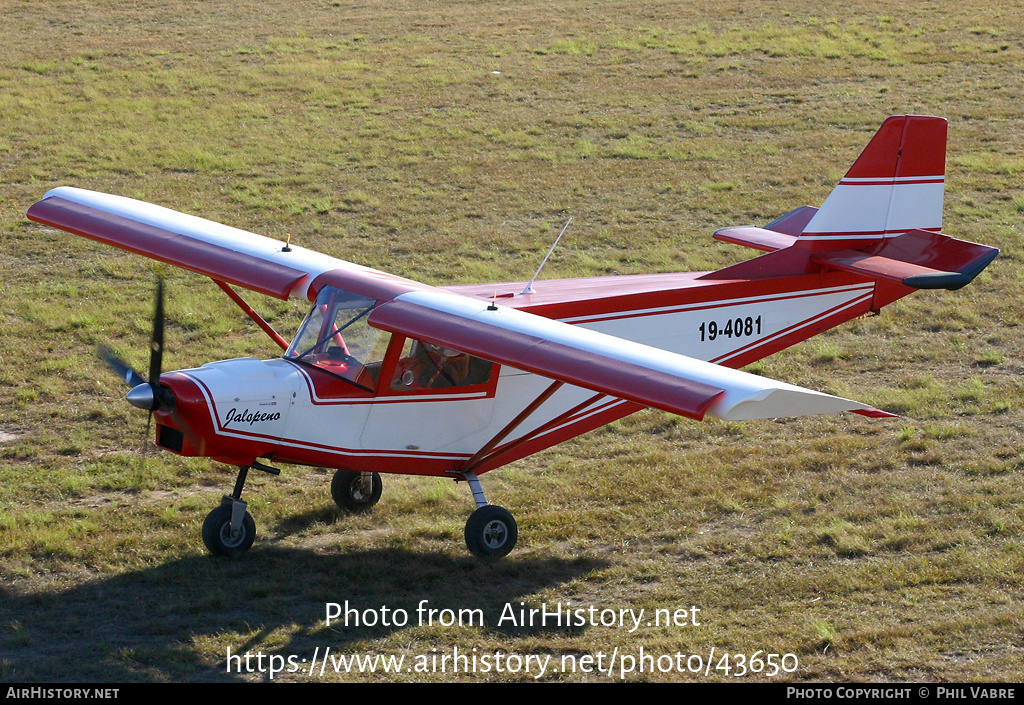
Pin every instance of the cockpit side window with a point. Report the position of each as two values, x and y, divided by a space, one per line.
426 366
336 337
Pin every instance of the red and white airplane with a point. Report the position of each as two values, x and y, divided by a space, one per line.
388 375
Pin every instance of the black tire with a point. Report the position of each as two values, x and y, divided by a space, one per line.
491 532
218 537
348 493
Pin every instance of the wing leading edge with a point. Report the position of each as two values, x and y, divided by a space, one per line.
603 363
219 251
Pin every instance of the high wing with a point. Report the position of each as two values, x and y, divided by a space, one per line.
518 339
603 363
219 251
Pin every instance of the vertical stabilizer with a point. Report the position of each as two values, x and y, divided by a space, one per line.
896 185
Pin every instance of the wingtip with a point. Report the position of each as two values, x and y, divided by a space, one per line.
874 413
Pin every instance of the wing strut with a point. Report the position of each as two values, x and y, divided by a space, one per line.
541 430
482 454
251 313
487 454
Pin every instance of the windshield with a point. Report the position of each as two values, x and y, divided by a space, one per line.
336 337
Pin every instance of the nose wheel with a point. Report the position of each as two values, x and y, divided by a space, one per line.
225 535
229 529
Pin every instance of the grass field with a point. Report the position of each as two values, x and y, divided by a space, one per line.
448 142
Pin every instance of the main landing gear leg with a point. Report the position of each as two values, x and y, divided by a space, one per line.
491 532
229 530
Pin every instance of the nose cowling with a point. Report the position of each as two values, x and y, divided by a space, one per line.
233 411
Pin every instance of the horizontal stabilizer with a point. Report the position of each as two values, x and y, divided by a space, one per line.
759 238
920 259
776 235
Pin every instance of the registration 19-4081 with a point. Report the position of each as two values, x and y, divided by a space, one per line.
732 328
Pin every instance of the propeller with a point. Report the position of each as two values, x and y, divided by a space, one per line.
148 395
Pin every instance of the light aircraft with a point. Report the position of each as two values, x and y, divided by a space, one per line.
388 375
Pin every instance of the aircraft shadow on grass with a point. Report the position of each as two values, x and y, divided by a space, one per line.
157 624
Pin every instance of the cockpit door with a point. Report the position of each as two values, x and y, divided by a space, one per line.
429 399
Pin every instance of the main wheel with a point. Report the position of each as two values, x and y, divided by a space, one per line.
354 493
219 538
491 532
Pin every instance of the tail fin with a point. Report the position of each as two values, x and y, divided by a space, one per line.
882 221
896 185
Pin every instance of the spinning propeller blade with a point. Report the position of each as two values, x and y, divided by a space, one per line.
149 395
156 343
119 366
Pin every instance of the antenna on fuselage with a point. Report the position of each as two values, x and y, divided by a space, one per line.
529 287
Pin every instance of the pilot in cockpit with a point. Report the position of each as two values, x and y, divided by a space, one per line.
430 366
